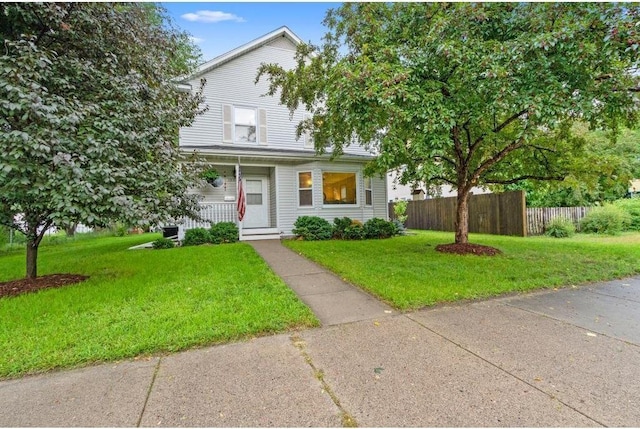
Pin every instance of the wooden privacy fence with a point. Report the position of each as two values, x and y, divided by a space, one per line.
539 218
502 214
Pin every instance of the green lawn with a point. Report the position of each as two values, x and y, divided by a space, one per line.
408 273
139 302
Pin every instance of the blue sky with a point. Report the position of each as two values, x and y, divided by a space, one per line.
220 27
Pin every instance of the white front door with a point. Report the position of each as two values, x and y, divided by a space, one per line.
256 194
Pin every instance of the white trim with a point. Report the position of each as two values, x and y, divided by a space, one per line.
298 189
357 188
234 123
241 50
256 152
364 190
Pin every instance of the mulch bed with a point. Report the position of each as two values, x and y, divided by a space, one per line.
468 249
18 287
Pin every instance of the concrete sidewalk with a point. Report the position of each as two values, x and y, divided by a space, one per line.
331 299
554 358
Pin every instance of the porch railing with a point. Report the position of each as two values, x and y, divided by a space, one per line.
212 213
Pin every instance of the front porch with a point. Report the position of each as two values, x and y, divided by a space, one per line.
225 212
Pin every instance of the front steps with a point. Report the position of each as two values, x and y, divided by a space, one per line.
251 234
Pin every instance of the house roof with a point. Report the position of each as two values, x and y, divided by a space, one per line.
241 50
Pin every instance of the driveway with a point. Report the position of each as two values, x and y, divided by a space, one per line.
569 357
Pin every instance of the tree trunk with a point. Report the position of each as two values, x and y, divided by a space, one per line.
70 230
33 241
32 258
462 216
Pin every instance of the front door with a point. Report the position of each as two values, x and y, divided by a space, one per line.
257 212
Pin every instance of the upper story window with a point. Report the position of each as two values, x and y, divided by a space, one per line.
339 188
241 124
245 122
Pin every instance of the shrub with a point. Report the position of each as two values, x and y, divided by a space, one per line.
560 227
400 210
632 207
163 243
379 228
400 229
608 219
355 231
312 228
196 236
224 232
119 230
339 227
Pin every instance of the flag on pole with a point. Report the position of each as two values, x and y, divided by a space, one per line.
242 204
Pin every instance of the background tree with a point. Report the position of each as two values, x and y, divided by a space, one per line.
601 174
465 94
90 117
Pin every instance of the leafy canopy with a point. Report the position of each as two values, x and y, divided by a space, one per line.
89 113
466 94
90 116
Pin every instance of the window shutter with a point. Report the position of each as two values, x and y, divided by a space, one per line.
262 113
227 123
308 140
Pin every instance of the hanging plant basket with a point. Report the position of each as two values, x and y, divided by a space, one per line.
217 182
212 177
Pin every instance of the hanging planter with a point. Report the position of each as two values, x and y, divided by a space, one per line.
217 182
212 177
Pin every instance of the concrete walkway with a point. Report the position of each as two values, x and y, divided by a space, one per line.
564 358
331 299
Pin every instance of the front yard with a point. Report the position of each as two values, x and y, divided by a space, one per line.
408 273
139 302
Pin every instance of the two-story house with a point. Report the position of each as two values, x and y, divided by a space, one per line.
282 177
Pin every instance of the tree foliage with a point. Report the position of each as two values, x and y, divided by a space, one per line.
90 116
601 173
465 94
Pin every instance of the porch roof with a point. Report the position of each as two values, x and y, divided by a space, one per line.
226 151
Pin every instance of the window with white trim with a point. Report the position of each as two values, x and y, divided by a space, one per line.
245 122
339 188
368 193
305 189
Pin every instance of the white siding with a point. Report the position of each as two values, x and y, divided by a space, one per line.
288 195
217 195
231 84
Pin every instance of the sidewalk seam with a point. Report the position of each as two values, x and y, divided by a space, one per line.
146 399
347 419
504 370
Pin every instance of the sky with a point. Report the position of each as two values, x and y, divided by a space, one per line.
220 27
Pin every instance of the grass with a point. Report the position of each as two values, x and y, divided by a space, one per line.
139 302
408 273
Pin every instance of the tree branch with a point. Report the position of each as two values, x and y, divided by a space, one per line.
444 158
444 179
521 178
516 144
498 128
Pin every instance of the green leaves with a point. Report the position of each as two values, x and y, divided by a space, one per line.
466 94
90 116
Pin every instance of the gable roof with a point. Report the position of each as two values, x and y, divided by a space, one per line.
247 47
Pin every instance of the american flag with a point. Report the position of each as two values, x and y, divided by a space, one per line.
242 204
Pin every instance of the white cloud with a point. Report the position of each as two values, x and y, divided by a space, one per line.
210 16
196 40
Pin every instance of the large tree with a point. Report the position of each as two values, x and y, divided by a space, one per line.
465 94
90 116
